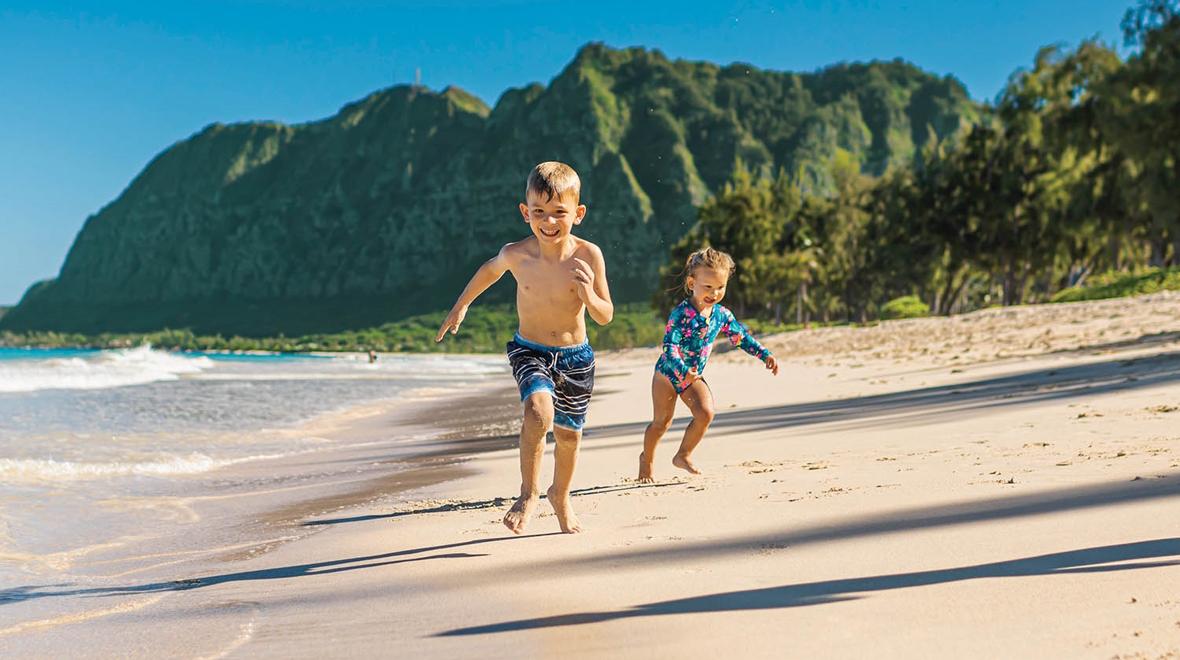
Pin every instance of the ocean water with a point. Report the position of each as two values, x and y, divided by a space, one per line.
92 441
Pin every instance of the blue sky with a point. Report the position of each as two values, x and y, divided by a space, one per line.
90 92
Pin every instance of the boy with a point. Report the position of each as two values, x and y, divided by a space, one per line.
557 277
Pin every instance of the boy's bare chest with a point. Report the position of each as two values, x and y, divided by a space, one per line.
553 281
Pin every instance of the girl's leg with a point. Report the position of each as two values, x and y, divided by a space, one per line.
663 404
700 401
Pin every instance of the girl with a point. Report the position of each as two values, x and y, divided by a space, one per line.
692 328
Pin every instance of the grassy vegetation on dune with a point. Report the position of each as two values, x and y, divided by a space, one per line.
485 330
1118 285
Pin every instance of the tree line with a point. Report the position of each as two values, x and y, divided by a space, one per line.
1072 172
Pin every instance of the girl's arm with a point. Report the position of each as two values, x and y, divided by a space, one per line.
672 351
739 335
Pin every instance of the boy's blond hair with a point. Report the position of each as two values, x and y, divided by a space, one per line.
553 179
707 257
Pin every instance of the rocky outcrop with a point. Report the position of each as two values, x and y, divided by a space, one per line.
384 209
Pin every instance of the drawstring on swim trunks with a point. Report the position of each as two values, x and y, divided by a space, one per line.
558 377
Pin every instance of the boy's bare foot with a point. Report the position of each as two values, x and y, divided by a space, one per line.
645 470
683 463
518 516
565 513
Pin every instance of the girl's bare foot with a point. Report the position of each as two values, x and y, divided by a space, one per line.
518 516
565 513
683 463
645 470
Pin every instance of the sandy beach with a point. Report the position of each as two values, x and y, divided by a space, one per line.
1004 483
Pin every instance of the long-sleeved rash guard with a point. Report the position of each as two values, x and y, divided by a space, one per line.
689 337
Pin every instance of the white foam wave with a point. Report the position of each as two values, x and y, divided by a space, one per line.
351 367
99 370
428 365
32 470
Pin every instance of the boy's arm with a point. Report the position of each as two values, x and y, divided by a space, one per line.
488 274
592 287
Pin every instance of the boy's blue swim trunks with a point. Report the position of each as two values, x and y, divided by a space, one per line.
567 372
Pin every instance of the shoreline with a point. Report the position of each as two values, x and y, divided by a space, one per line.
439 455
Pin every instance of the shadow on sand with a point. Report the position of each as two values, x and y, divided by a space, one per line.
18 594
939 403
1073 498
1090 560
907 519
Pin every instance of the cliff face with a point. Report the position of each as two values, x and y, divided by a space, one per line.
385 209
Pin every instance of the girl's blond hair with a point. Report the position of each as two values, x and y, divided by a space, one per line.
707 257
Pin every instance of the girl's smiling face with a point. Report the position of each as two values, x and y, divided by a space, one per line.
707 287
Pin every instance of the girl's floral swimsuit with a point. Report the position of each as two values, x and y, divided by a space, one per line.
689 337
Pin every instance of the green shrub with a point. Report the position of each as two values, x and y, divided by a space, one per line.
1117 285
905 307
761 327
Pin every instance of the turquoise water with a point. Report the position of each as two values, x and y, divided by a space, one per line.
42 353
80 429
57 394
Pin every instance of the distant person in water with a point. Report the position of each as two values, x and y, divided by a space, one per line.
688 339
372 356
558 278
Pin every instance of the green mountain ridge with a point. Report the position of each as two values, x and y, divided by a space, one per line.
383 210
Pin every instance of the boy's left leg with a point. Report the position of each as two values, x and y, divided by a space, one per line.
699 399
574 384
565 459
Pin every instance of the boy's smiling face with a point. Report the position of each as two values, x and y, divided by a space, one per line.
552 219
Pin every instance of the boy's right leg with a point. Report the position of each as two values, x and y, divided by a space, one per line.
663 404
538 417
